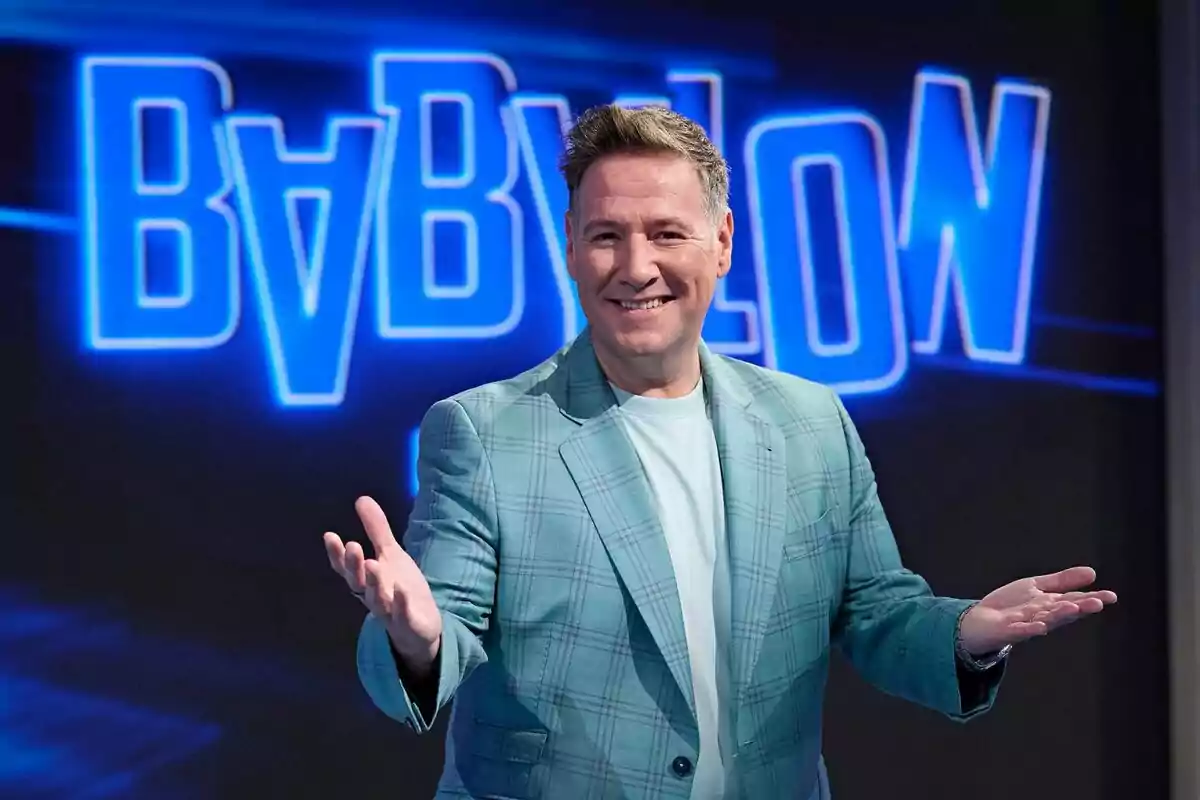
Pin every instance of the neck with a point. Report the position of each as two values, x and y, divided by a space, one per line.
662 375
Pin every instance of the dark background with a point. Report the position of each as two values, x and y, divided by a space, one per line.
169 626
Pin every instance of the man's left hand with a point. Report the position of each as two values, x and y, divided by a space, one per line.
1031 607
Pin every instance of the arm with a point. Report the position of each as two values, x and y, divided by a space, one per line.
898 635
452 535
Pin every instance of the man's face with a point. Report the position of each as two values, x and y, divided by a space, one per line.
645 253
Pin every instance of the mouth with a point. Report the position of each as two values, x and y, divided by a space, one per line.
649 304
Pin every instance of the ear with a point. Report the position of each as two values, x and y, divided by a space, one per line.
725 245
569 229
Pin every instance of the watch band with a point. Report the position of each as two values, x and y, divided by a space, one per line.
972 662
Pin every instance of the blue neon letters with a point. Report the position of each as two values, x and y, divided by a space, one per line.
416 201
468 198
872 352
123 206
972 215
308 283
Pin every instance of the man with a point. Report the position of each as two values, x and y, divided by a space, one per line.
627 565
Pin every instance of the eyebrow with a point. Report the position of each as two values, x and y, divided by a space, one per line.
609 224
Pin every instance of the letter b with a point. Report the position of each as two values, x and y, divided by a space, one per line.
136 222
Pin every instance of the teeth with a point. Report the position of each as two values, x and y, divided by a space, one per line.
641 305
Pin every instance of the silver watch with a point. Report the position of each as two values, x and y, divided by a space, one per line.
972 662
981 663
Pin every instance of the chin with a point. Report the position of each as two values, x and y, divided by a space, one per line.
643 342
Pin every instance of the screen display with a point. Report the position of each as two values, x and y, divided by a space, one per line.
247 249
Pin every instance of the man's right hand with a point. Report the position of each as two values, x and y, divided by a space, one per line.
392 587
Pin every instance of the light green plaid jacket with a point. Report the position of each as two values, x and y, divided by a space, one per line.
563 645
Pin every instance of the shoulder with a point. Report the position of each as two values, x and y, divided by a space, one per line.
487 405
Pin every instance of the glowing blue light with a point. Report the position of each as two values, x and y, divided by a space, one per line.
309 293
641 101
969 218
732 326
540 122
122 207
839 279
700 95
415 193
414 452
875 354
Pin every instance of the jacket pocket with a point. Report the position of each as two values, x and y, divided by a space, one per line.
809 539
499 761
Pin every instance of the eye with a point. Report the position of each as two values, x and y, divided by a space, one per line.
669 235
604 236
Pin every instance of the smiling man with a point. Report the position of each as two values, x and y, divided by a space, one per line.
627 565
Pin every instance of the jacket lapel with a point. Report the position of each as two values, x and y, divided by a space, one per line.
610 479
754 474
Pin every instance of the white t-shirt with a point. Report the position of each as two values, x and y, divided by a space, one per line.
675 442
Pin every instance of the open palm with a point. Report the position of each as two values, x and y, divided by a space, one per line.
391 586
1031 607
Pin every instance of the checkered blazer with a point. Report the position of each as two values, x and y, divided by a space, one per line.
563 645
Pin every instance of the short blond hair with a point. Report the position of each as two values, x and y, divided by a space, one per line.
610 129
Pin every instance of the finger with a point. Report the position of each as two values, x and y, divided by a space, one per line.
1068 580
1037 610
375 523
1085 607
1057 614
1091 605
1104 596
335 550
354 573
1018 631
379 593
1033 611
1043 601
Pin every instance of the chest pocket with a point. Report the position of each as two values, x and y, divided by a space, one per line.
810 539
811 577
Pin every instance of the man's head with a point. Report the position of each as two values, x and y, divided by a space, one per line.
649 231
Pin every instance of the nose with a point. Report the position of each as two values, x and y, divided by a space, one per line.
639 270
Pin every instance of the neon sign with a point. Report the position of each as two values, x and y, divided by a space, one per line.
428 180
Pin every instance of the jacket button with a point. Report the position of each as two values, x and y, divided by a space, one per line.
681 766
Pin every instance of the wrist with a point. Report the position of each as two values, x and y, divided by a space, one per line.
975 655
417 661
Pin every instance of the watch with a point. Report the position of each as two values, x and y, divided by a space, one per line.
973 662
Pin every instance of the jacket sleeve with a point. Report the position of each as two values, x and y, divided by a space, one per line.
452 535
897 633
